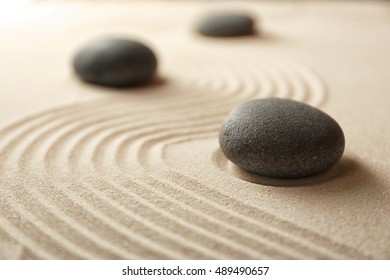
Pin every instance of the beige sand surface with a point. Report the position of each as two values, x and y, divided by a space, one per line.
94 173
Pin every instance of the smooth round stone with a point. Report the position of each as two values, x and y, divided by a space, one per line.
226 25
115 62
281 138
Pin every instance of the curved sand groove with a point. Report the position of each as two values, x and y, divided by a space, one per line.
25 214
326 255
343 249
91 190
314 86
49 207
297 82
48 233
10 136
15 233
329 248
54 148
203 204
254 235
138 199
75 198
211 113
171 201
140 149
307 242
302 94
340 250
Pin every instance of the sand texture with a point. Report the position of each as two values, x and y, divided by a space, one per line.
88 172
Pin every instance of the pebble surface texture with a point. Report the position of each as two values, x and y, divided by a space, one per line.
115 62
281 138
227 25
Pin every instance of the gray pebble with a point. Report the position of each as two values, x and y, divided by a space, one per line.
115 62
226 25
281 138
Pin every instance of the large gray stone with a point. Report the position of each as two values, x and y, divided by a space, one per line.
281 138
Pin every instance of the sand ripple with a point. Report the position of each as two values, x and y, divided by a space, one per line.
92 180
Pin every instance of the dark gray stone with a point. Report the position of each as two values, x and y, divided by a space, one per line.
226 25
281 138
115 62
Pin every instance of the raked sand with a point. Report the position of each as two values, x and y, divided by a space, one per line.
93 173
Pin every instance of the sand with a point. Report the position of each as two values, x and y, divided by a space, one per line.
94 173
